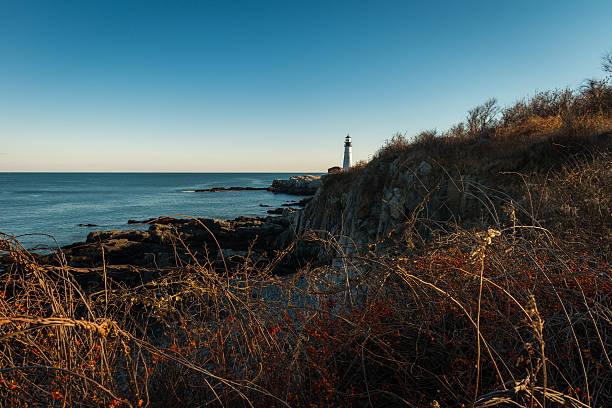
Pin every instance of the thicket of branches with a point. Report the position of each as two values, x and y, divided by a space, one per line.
559 117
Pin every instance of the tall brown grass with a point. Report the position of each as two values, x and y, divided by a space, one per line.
513 314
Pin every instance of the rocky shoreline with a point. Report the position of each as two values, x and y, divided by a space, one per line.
152 246
139 254
166 241
357 210
305 185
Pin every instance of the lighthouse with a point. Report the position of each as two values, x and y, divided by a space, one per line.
348 153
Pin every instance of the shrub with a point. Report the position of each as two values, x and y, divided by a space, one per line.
397 144
606 62
481 119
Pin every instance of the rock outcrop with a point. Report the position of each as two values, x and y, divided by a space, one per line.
168 242
379 202
217 189
306 185
297 185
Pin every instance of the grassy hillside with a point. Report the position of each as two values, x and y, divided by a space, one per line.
548 156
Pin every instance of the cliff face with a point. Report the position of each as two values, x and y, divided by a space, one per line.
373 203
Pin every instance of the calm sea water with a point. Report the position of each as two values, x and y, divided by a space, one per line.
55 203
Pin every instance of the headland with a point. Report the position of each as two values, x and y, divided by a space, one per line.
468 268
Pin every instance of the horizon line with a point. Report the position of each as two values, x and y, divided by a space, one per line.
155 172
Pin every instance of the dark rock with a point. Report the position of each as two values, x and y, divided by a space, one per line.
171 241
217 189
301 203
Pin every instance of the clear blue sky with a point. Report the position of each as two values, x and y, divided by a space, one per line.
268 85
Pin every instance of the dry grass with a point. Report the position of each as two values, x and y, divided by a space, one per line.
534 128
510 316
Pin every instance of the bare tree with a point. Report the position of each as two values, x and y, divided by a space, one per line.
606 62
482 117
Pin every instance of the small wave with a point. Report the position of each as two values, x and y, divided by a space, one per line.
188 191
39 192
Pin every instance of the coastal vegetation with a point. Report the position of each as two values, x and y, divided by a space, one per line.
468 268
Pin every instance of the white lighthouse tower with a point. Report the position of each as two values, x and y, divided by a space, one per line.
348 153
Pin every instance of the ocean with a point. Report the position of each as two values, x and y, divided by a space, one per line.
39 208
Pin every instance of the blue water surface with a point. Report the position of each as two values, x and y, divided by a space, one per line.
56 203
